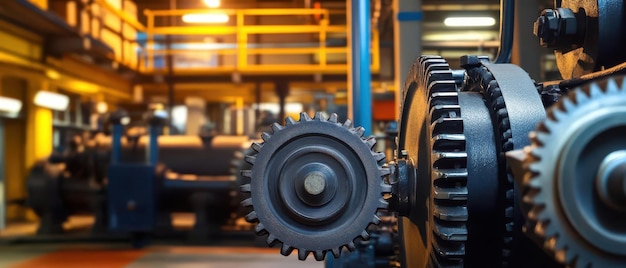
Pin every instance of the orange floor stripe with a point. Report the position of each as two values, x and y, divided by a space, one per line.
214 250
83 258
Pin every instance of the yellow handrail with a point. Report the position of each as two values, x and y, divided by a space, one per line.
239 31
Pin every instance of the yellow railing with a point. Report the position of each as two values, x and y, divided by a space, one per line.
235 58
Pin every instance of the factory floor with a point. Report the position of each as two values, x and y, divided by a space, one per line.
20 248
116 255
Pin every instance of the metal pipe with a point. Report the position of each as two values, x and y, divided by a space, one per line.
152 150
507 25
116 148
361 75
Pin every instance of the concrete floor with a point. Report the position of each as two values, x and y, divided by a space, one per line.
118 255
21 248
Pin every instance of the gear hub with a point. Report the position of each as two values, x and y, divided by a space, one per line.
315 185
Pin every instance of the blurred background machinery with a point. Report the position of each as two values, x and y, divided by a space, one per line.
492 169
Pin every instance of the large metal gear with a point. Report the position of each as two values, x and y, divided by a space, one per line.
316 185
460 170
431 139
575 183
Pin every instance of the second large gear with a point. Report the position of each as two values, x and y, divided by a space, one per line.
315 185
575 183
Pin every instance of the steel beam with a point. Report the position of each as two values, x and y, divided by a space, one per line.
407 42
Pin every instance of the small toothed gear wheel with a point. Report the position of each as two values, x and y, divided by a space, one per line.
575 179
315 185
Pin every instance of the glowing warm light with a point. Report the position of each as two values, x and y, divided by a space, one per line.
212 3
469 21
102 107
125 120
51 100
206 18
52 74
9 105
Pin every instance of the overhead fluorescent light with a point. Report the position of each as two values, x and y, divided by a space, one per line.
212 3
206 18
469 21
52 100
10 105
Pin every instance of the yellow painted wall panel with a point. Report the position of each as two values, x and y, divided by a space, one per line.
113 41
70 11
43 4
85 27
14 140
19 46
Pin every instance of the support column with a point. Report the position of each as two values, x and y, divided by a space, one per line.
360 76
282 90
526 50
407 42
3 199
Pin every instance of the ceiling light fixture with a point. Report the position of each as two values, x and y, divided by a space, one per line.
469 21
206 18
10 105
52 100
212 3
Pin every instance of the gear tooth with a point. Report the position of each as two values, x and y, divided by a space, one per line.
302 254
386 188
319 255
250 159
384 171
378 156
246 187
333 118
247 202
580 97
359 131
371 141
351 246
336 252
251 217
569 105
595 90
246 173
319 116
257 146
304 117
376 219
285 250
382 203
290 121
276 127
259 229
266 136
365 235
348 124
271 240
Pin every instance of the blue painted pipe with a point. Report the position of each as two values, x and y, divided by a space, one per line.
153 145
116 148
361 72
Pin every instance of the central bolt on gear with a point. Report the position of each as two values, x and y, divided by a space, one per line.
575 178
315 185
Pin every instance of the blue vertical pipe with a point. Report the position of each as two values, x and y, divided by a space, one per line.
153 147
361 72
116 148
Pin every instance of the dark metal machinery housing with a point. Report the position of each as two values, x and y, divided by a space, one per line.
492 169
